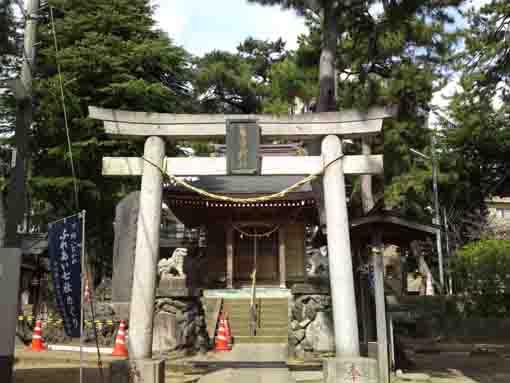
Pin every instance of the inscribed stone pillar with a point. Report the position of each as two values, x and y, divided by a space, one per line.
339 250
356 370
147 252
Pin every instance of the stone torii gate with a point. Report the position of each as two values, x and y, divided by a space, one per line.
156 127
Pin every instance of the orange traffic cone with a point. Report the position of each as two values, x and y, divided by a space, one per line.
37 342
222 342
120 341
228 334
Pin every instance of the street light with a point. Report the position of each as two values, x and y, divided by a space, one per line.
437 219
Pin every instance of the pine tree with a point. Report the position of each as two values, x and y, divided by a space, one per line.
330 13
396 57
110 56
238 82
290 84
9 69
477 125
9 59
486 58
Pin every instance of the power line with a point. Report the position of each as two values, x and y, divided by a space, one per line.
75 184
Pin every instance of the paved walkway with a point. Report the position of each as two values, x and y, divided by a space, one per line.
247 363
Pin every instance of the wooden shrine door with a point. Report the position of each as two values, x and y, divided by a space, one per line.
267 259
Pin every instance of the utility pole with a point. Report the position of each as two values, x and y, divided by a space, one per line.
16 197
447 243
437 212
10 255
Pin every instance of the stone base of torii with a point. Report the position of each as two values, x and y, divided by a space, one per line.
348 366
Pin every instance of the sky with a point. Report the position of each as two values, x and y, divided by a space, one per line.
203 25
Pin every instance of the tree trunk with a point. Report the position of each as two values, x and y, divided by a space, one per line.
327 61
367 196
326 101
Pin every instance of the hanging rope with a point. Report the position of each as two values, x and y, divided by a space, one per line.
256 235
225 198
62 96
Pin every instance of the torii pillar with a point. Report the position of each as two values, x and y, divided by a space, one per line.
348 363
145 267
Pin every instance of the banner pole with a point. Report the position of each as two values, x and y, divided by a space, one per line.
83 281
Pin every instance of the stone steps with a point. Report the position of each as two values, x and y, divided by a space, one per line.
265 314
262 321
260 339
240 325
261 332
272 319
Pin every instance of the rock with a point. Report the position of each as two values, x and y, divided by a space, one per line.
311 288
297 310
299 352
317 264
103 291
300 335
293 341
294 324
179 304
320 333
311 309
307 346
304 323
324 301
165 332
102 311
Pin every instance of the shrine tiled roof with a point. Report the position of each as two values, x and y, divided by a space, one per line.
240 184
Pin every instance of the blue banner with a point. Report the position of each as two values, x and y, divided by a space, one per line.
64 247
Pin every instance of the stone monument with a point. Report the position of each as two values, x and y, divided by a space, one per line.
125 227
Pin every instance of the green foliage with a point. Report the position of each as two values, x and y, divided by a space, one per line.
9 38
237 82
262 55
487 54
299 5
8 34
477 124
397 58
289 83
225 83
481 272
111 56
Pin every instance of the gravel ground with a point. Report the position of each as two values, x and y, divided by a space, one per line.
444 367
64 367
461 367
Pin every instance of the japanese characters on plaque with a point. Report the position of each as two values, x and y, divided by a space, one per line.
64 245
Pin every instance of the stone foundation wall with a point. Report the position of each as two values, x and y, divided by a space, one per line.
106 323
310 322
179 323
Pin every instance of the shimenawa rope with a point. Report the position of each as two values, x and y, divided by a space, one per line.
264 198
